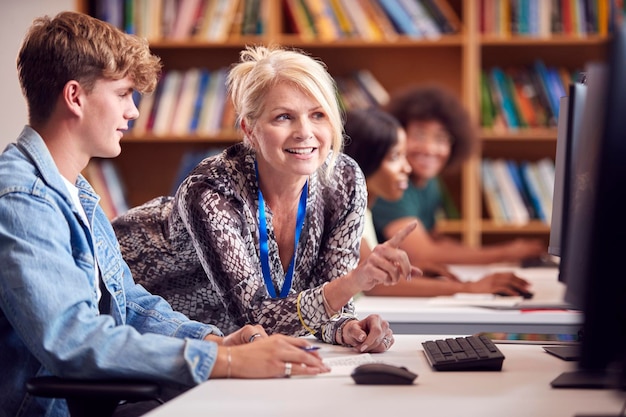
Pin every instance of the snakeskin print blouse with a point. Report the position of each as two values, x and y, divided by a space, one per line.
200 249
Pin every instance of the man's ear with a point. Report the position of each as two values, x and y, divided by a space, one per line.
73 94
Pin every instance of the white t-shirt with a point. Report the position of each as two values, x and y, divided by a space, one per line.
73 190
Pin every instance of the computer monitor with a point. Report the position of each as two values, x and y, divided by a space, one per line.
596 229
571 108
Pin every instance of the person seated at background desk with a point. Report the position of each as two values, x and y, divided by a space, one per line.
58 252
440 137
269 230
377 142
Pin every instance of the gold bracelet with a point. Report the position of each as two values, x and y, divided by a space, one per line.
229 361
300 315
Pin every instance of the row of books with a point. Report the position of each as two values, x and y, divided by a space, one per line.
517 192
329 20
207 20
195 102
523 97
323 20
543 18
186 102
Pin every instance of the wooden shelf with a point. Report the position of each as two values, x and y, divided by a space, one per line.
148 164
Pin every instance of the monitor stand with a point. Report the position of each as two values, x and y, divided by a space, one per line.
585 380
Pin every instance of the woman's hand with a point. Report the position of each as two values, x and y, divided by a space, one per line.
501 282
275 356
386 264
247 334
371 334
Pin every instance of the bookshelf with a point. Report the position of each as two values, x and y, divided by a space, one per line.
148 164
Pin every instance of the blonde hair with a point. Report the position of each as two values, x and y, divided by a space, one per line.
261 68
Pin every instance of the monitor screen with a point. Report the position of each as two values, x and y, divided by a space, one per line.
596 227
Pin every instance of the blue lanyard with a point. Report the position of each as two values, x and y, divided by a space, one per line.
264 247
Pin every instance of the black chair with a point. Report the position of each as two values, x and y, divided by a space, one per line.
93 398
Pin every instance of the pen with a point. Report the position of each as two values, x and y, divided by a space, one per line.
310 348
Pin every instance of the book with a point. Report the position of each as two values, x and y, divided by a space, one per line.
111 11
531 181
532 190
186 18
222 16
521 188
501 90
511 196
546 86
346 28
203 84
499 121
251 24
213 104
400 18
487 109
372 87
298 20
378 20
185 105
323 19
492 193
420 17
361 23
527 89
444 16
516 99
140 124
167 102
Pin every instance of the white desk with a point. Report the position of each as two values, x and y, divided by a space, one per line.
451 315
521 389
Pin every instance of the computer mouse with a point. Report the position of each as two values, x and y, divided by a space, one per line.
526 295
382 374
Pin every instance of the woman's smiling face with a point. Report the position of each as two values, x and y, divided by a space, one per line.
391 178
292 136
428 149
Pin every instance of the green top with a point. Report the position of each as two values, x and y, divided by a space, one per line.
420 202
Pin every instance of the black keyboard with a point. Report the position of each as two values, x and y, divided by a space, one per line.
469 353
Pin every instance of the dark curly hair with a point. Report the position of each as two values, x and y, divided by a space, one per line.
433 102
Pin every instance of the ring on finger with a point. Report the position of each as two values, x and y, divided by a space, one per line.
253 337
287 369
386 342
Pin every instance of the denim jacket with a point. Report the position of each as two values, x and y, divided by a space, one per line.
49 318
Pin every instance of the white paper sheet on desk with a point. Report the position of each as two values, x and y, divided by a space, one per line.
344 365
497 302
475 300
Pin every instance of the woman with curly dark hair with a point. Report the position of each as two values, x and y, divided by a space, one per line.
377 142
440 137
